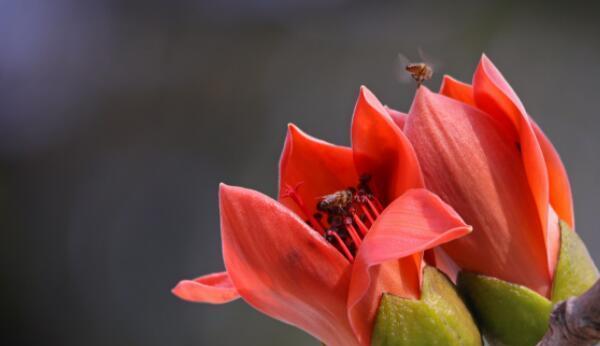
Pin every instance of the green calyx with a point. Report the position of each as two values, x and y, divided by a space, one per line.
508 314
438 318
575 270
511 314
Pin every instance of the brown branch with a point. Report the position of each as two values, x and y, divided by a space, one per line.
575 321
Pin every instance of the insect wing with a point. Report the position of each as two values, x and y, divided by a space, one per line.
434 64
402 75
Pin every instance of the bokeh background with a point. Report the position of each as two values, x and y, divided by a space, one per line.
119 119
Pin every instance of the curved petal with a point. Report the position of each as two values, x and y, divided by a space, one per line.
389 259
443 262
469 163
561 198
312 168
494 95
457 90
381 150
398 117
282 267
553 235
212 288
560 190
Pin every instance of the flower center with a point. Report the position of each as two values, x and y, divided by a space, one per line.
343 217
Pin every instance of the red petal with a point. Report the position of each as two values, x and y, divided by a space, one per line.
553 237
560 189
398 117
212 288
457 90
282 267
389 259
494 95
381 150
315 167
444 263
468 162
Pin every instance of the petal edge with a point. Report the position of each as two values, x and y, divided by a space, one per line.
381 150
213 288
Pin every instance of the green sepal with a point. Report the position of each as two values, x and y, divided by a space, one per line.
507 314
510 314
575 270
438 318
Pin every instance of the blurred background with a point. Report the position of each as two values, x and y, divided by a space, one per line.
118 120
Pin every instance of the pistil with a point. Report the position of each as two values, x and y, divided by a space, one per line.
291 192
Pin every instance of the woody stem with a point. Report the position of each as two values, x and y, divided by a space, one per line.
575 321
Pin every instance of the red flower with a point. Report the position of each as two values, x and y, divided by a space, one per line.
322 263
482 154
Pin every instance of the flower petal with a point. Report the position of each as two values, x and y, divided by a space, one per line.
560 189
457 90
389 259
444 263
494 95
212 288
282 267
381 150
469 163
398 117
314 168
553 238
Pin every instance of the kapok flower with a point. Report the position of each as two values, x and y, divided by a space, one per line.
482 153
350 225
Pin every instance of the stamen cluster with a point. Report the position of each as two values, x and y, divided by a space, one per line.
344 217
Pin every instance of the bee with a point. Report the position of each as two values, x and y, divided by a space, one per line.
419 71
337 202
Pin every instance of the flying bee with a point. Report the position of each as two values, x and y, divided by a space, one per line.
337 202
418 71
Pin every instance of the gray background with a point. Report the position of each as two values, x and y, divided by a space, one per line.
119 119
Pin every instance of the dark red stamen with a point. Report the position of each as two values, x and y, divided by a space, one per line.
374 209
377 204
341 244
367 213
361 226
353 233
